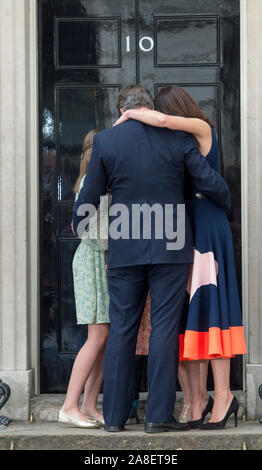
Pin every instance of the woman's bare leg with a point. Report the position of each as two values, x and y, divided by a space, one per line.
185 386
92 389
203 378
83 366
223 395
194 384
203 383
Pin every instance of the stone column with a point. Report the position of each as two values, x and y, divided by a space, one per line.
14 147
254 197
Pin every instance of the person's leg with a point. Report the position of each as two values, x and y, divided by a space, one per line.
83 366
92 389
203 379
203 386
128 291
167 283
192 376
186 413
223 395
194 385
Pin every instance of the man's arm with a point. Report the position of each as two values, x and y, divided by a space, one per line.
206 180
95 185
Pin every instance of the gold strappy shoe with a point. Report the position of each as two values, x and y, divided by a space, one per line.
184 416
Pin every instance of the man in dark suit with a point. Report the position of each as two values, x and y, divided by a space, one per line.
145 167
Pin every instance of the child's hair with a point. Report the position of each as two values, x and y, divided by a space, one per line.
85 157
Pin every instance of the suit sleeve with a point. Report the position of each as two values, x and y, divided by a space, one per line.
95 185
206 180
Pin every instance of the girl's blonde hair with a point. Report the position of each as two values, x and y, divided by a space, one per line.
85 156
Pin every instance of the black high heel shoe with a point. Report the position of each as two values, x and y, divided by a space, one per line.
233 408
208 408
198 422
195 424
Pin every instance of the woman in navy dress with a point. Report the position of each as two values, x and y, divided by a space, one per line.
213 328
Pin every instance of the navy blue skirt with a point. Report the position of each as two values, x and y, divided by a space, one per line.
212 323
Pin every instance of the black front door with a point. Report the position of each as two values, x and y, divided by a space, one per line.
88 50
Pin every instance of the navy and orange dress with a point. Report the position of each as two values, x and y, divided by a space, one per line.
212 324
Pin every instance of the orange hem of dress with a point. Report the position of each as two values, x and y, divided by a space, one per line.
212 344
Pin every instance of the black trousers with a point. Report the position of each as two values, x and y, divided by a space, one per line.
128 289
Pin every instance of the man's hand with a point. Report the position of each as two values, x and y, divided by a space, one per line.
72 227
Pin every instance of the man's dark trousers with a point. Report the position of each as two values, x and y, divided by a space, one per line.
128 289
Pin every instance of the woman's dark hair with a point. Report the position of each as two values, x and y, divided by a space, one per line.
175 101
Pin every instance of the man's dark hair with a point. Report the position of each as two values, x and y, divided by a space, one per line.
134 96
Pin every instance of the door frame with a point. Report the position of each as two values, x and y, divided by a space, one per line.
244 175
33 208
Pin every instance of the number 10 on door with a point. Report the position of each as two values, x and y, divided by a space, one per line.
146 44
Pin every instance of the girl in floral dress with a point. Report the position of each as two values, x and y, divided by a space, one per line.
92 305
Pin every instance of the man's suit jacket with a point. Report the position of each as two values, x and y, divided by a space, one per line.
145 164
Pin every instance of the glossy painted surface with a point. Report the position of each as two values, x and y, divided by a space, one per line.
173 47
88 42
88 50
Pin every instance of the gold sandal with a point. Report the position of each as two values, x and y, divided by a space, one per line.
183 417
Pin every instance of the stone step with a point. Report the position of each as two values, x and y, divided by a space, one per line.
45 407
56 436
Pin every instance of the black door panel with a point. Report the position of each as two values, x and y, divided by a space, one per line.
88 50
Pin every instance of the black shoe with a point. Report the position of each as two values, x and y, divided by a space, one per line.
195 424
167 426
221 424
113 428
208 408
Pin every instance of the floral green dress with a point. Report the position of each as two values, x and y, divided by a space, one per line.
89 275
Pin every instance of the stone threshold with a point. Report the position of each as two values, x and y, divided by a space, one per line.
57 436
45 407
